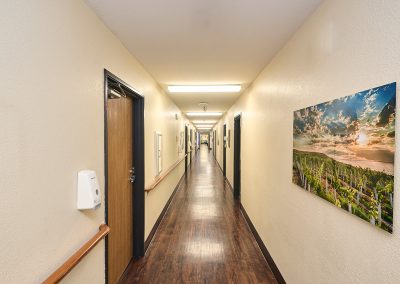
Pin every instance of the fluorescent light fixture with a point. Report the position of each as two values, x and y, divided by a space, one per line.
204 113
201 128
204 125
205 89
204 121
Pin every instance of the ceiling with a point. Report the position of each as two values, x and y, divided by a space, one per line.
203 41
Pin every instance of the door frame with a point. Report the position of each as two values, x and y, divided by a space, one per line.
138 163
237 171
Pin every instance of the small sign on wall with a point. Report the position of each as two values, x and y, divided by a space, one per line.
181 145
158 152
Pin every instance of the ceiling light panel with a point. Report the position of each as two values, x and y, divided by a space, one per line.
204 121
204 125
205 89
204 113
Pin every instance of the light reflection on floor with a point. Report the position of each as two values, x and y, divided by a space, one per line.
205 248
203 211
207 192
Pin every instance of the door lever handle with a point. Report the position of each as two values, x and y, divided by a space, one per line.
132 172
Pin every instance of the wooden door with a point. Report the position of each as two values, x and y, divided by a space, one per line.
119 194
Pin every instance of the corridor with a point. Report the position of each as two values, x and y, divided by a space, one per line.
203 237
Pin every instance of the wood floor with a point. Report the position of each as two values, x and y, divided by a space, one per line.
203 237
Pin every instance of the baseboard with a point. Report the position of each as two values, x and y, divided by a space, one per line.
229 184
219 166
263 248
159 219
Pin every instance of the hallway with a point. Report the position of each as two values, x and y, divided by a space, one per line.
203 237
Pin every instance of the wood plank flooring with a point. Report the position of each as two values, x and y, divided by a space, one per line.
203 237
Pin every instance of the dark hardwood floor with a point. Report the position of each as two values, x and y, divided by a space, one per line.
203 237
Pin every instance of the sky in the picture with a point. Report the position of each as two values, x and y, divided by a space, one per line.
357 129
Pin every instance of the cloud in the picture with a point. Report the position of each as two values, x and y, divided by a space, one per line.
387 114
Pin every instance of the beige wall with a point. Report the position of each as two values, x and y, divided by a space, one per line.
51 108
345 47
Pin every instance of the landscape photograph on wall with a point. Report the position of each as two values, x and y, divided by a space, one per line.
343 152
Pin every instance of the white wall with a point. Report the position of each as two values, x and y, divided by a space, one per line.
51 109
345 47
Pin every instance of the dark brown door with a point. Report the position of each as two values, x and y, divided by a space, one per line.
236 157
120 186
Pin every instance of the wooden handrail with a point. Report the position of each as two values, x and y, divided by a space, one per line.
71 262
164 175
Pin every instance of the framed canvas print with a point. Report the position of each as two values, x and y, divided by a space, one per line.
343 152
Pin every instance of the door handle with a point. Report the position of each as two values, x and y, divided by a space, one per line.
133 176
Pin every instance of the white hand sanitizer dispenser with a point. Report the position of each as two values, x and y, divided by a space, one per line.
88 190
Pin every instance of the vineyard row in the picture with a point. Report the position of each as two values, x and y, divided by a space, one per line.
363 192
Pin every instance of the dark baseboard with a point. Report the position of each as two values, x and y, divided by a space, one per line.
229 184
219 166
157 224
263 248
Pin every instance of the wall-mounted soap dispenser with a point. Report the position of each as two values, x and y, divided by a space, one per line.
88 190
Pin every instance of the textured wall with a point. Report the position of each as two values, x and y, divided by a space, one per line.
345 47
51 108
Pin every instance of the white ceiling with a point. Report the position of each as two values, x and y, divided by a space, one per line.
203 41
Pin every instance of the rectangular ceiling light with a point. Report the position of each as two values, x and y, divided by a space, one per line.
204 121
204 128
204 113
204 125
205 89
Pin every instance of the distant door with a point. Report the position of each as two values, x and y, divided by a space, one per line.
191 145
215 143
236 157
197 140
224 152
186 147
124 167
